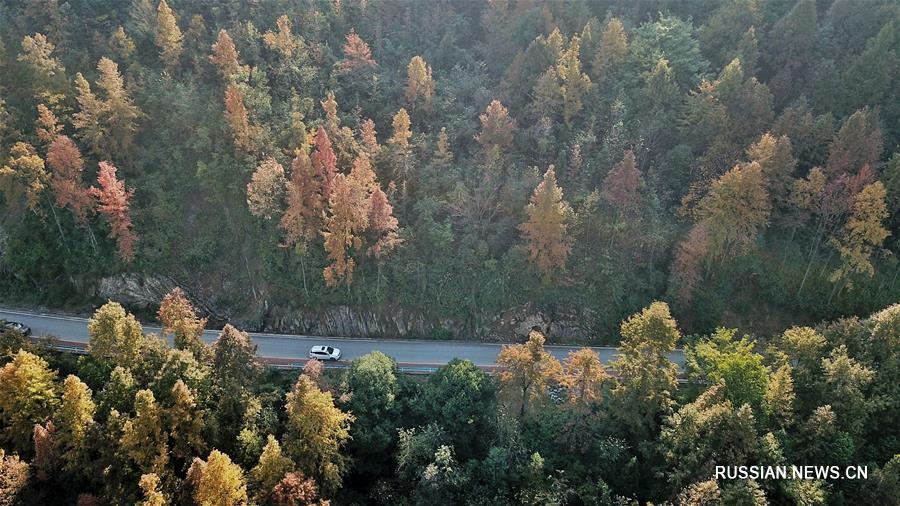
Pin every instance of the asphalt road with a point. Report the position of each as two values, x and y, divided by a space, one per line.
283 348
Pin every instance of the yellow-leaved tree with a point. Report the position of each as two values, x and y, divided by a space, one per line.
546 237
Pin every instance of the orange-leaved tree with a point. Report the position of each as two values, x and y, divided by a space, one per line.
527 370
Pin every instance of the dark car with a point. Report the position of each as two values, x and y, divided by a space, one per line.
15 326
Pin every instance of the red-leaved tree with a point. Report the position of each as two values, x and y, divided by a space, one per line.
113 203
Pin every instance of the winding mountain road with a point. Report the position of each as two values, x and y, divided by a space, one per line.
291 350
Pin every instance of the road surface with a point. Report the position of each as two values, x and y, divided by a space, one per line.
288 350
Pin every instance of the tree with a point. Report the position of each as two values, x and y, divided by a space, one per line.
225 56
120 113
238 120
115 335
721 357
218 481
272 467
121 44
584 377
646 377
371 389
234 358
283 40
383 224
497 128
46 450
858 143
66 167
419 83
144 440
107 124
142 19
574 84
702 493
357 54
671 39
463 398
265 192
302 219
863 233
24 176
612 52
316 433
779 397
76 419
707 432
527 370
168 36
443 155
118 392
185 423
153 496
545 232
369 138
791 44
847 382
48 127
113 202
28 396
295 489
347 219
624 185
177 315
324 162
775 159
402 133
14 474
47 74
735 210
89 119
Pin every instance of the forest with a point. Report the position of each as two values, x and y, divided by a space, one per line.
455 160
137 421
718 176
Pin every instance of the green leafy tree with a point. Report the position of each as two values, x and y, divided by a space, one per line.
721 357
707 432
646 377
371 388
463 398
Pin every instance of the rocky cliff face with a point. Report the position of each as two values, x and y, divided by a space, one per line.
142 292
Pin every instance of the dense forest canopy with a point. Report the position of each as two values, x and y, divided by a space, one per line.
722 177
457 159
137 421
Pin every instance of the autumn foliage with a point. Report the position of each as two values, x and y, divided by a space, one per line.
545 232
66 167
357 54
305 200
225 56
238 119
497 127
113 202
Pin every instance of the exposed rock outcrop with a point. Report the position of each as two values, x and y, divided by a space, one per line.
143 293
